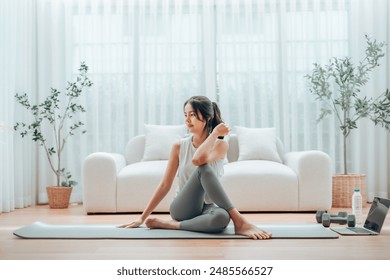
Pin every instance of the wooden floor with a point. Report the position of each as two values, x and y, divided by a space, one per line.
343 248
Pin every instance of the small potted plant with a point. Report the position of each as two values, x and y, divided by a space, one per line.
59 116
338 87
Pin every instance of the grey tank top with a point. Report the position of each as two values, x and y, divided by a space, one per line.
186 168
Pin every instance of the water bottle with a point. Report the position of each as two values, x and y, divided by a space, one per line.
357 206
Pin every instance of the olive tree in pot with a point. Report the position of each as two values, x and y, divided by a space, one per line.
338 87
57 111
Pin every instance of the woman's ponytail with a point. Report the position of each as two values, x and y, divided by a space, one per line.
217 117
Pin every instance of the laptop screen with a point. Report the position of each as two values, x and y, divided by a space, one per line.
377 214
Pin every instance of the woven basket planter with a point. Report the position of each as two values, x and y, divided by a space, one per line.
343 187
58 196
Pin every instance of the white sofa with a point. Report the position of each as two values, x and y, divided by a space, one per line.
115 183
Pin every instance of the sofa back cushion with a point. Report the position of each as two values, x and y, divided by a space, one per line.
234 152
135 148
155 144
159 140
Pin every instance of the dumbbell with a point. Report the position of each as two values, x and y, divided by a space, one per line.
319 214
341 218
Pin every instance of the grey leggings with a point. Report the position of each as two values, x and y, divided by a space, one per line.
190 210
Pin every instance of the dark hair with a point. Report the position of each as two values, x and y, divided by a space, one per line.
209 110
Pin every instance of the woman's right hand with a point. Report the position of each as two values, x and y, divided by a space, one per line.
222 129
134 224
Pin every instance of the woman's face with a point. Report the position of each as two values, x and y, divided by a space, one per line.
194 124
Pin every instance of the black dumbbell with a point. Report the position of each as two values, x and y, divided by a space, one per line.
319 214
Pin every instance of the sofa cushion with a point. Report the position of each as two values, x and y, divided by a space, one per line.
137 182
261 184
159 140
257 144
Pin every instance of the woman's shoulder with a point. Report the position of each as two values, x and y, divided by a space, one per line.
182 141
185 140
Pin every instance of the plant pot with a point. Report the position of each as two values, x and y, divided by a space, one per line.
58 196
343 187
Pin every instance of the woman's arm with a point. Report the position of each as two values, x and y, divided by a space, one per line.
212 148
162 189
166 182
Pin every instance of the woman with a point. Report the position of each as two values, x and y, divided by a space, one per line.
201 203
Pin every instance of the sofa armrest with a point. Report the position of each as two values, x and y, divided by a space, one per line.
313 169
100 175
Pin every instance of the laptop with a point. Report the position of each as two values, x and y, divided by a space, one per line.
374 222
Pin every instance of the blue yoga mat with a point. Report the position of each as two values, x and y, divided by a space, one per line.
39 230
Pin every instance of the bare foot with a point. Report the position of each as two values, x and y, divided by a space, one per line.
251 231
162 224
243 227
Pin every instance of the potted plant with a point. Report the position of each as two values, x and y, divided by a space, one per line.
337 86
56 111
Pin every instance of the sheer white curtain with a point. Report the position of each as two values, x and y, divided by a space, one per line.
17 74
265 48
370 150
147 57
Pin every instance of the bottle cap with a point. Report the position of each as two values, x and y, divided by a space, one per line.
357 190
